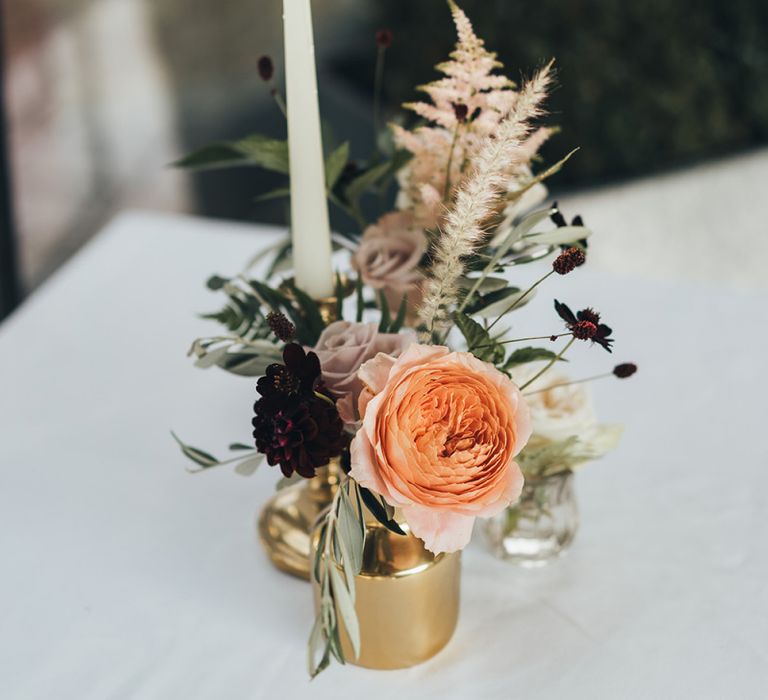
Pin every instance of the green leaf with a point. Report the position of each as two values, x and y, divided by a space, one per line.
384 308
270 154
249 466
514 235
378 511
249 361
240 446
313 321
529 354
351 536
277 193
204 459
215 283
334 165
494 303
211 358
479 342
346 607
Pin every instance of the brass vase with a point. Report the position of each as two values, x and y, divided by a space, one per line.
407 599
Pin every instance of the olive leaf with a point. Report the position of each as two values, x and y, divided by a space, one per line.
346 607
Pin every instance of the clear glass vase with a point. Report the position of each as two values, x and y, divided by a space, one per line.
541 526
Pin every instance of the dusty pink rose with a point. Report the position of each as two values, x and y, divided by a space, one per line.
389 255
343 347
439 436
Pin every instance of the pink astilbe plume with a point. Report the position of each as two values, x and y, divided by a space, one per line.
488 98
462 230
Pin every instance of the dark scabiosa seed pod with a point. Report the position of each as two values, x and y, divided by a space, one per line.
624 370
266 68
568 260
282 328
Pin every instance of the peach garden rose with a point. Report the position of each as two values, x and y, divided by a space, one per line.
439 436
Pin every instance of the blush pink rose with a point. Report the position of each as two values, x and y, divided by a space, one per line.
439 436
343 347
389 258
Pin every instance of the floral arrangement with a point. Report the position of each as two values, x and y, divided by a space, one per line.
417 385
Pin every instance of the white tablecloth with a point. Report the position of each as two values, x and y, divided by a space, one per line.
122 576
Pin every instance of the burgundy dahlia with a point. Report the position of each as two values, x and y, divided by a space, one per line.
585 325
296 424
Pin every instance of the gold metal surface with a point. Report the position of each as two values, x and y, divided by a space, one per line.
328 306
286 521
407 600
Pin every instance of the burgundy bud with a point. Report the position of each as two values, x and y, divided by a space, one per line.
384 38
461 111
266 68
569 260
282 328
625 370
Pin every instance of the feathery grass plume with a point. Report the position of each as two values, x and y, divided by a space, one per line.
442 148
463 228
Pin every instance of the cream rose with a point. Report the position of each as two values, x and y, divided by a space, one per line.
343 347
560 412
439 436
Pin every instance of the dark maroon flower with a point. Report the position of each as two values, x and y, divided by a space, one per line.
299 375
282 328
583 330
298 433
296 424
568 260
266 68
461 111
581 324
627 369
384 38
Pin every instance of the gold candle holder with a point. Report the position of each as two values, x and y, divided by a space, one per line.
406 599
285 523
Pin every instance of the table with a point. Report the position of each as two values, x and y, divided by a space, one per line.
123 576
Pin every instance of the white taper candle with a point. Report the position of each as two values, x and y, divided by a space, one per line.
309 207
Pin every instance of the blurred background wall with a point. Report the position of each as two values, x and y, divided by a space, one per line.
103 94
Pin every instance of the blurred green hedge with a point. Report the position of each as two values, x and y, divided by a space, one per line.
643 85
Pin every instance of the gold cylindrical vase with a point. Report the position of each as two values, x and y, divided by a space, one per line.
406 599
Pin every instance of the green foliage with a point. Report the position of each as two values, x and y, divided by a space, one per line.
246 464
523 356
479 341
258 150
